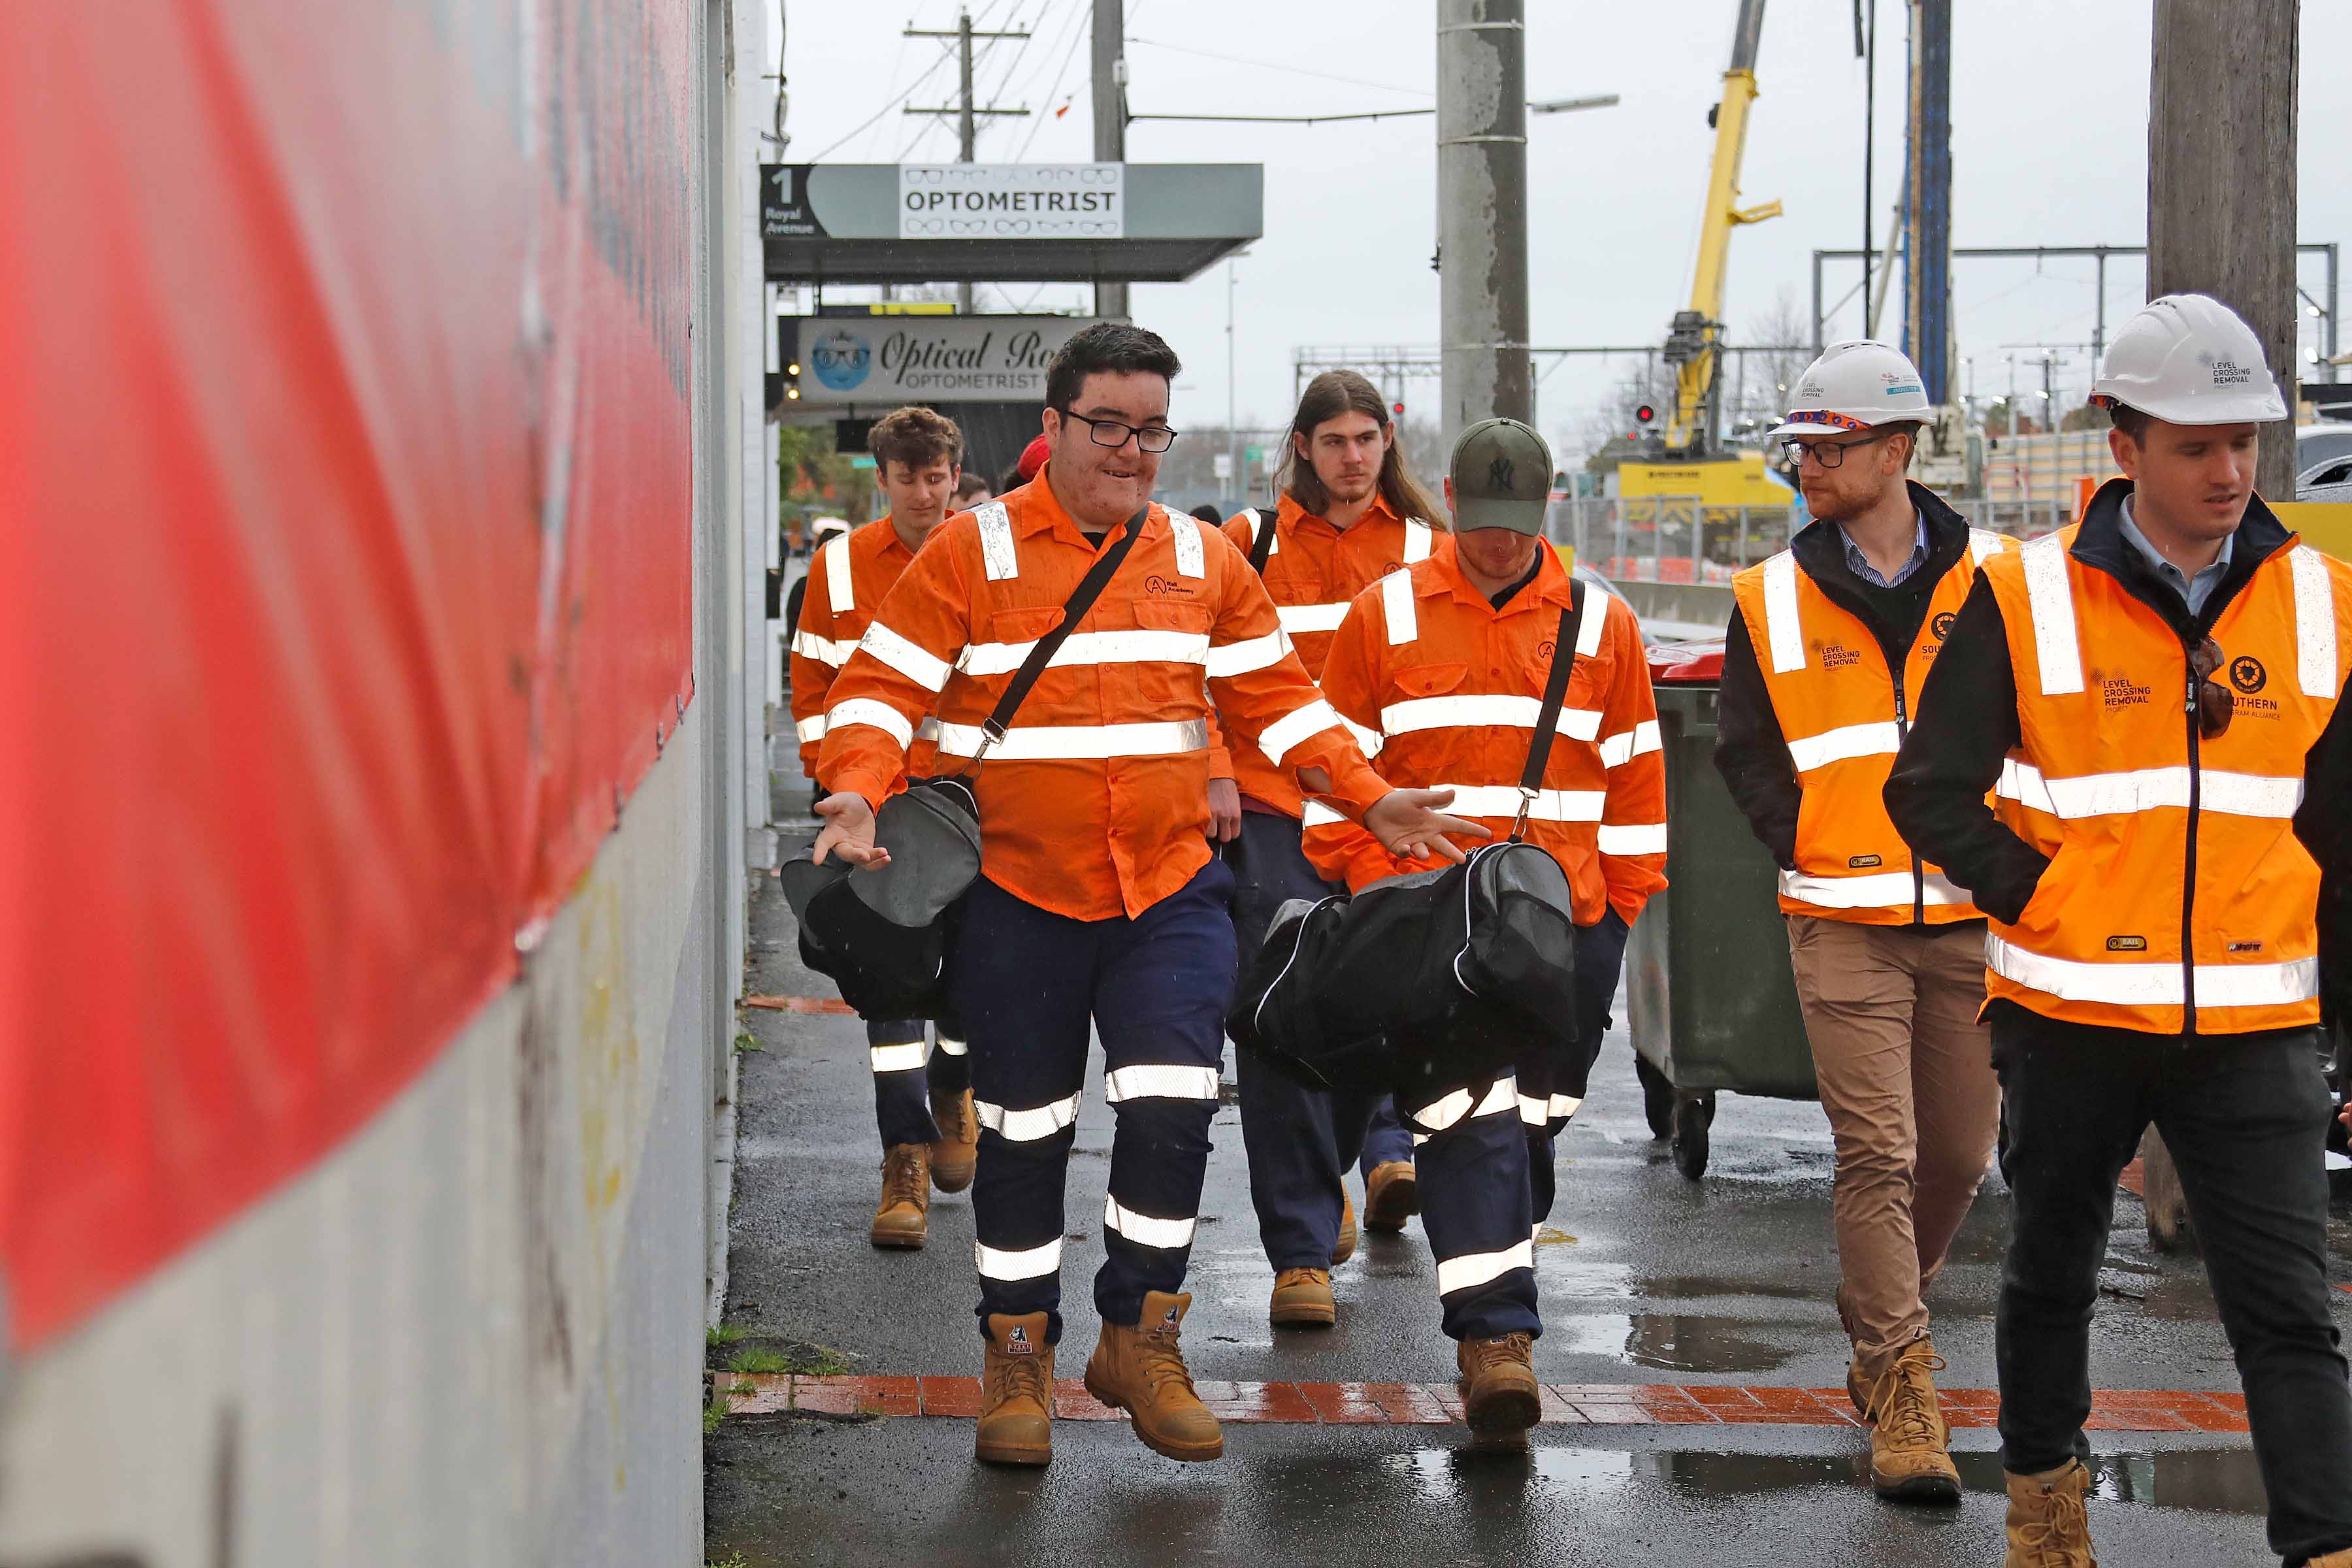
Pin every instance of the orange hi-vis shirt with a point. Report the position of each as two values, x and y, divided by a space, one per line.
1095 802
2176 879
852 574
1447 688
1313 571
1844 715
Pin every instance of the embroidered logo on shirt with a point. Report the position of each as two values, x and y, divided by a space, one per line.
1155 583
1941 625
1862 862
2127 944
2247 674
2245 947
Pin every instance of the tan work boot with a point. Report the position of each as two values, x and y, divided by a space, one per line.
2047 1526
2332 1560
1345 1247
906 1196
1910 1444
1499 1397
957 1153
1138 1368
1302 1299
1016 1393
1391 1195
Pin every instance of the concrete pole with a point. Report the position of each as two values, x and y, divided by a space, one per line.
1482 212
1111 121
2221 179
967 138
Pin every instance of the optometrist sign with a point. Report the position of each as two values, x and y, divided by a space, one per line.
889 359
1012 201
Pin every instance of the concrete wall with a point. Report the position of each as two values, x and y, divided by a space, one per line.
473 1334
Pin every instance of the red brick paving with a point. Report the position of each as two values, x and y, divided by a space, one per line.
799 1005
1421 1404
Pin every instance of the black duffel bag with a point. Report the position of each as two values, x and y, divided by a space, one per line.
1430 980
882 935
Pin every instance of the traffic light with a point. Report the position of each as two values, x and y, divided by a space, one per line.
1645 414
1399 408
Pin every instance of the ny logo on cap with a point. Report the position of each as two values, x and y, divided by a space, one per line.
1498 474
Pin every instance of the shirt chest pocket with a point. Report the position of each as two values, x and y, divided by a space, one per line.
1009 634
1422 689
1167 656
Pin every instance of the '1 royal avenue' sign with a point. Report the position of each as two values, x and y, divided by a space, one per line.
890 360
1012 201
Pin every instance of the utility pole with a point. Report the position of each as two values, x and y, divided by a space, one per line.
1482 212
966 114
2220 179
1865 43
1111 121
1928 201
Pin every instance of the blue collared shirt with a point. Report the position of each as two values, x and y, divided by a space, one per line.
1859 564
2193 591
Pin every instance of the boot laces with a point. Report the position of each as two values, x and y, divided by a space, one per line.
1018 1376
1903 1399
903 1179
1161 1360
2056 1538
947 1115
1511 1349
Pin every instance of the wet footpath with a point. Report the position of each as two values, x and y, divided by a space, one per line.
1693 1364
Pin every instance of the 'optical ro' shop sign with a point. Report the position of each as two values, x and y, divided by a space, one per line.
1012 201
931 359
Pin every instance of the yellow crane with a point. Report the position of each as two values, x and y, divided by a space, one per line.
1690 342
1692 466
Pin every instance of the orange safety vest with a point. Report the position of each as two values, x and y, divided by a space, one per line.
1844 716
2175 880
848 578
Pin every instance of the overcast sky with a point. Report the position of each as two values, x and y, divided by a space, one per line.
2049 146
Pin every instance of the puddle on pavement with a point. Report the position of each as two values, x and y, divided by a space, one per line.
1673 1343
2203 1480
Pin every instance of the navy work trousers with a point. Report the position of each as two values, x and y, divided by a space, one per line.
1300 1139
1027 984
1483 1152
907 1074
2246 1120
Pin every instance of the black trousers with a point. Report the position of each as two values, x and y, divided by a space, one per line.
2246 1120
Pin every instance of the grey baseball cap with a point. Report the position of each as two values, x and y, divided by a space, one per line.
1502 478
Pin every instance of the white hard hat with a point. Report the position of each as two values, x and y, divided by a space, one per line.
825 525
1853 386
2188 359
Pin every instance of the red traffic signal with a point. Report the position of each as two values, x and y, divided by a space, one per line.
1399 408
1645 414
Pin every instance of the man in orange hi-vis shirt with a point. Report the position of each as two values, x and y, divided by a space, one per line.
1349 513
1099 900
1445 664
927 1137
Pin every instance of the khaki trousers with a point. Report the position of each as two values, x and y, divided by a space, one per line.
1906 1075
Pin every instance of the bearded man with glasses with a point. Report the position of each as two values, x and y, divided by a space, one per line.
1822 667
2155 695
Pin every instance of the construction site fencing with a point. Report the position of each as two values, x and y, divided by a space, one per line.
1682 539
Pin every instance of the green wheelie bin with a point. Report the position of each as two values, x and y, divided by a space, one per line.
1714 1003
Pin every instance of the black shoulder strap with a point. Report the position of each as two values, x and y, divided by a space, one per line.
1262 539
1073 610
1564 663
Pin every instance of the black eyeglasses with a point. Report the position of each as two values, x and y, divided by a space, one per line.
1827 454
1114 432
